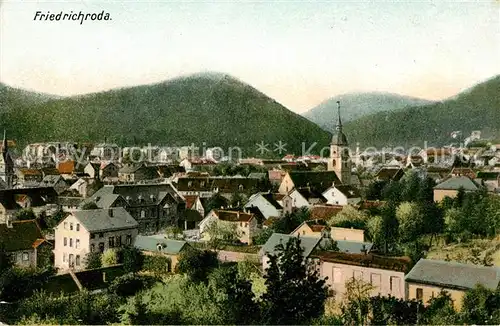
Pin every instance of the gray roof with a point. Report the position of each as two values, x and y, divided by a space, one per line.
107 200
94 220
353 247
457 183
257 175
150 243
307 243
453 274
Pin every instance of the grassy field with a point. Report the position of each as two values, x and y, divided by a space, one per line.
460 251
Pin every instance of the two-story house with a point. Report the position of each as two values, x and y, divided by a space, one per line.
153 206
245 224
85 231
158 245
342 195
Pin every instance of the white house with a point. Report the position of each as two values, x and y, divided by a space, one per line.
342 195
80 186
266 203
298 200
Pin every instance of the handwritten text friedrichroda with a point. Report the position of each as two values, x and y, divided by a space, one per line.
74 16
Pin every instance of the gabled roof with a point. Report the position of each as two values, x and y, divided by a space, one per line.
233 216
153 242
349 191
151 194
309 193
317 180
22 236
453 275
66 167
324 212
99 220
272 199
354 247
457 183
390 174
307 243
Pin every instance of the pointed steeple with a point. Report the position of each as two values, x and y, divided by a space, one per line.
339 123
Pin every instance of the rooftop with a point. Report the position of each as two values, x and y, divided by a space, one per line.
95 220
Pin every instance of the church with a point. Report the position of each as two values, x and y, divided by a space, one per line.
340 160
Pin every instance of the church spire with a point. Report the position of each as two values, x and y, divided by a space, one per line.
339 123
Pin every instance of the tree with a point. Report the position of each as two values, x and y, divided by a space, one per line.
237 201
390 226
375 190
90 205
411 187
109 258
410 221
51 221
349 216
132 259
174 232
129 284
440 311
197 264
375 226
217 201
295 292
356 304
6 261
480 306
290 222
93 260
25 214
220 233
263 236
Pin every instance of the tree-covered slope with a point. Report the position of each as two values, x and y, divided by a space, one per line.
210 108
476 109
356 105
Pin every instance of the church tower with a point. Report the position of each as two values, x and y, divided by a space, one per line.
6 164
340 161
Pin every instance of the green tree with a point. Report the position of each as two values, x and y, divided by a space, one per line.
375 226
93 260
375 190
410 221
132 259
411 187
197 264
237 201
263 236
348 217
6 261
440 311
109 258
217 201
220 233
290 222
481 306
25 214
356 304
295 293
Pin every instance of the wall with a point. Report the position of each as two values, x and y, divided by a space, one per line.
430 291
305 230
339 274
347 234
439 194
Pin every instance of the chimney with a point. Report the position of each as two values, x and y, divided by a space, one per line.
110 212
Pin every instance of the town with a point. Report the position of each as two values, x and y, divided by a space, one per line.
351 238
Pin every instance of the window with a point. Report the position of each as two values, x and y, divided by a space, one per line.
78 226
92 236
128 240
77 243
71 226
394 284
77 260
143 214
118 240
92 248
71 242
111 242
65 225
240 187
337 275
190 183
101 235
101 247
26 256
420 294
303 232
246 224
65 241
375 280
71 260
65 257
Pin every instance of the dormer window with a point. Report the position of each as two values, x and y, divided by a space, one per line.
240 187
190 184
202 184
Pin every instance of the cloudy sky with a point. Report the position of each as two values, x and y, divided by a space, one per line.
298 52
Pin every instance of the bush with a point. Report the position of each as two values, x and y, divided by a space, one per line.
130 284
132 259
109 258
93 260
158 265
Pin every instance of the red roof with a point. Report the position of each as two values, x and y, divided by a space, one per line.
66 167
324 212
38 242
190 201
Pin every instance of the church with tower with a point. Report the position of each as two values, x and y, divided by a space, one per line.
340 160
6 165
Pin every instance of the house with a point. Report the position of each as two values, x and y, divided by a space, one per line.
92 170
153 206
54 181
108 170
80 186
66 168
27 176
414 161
315 181
38 199
106 152
24 241
443 156
8 208
68 203
161 246
459 172
276 176
313 228
85 231
206 186
245 224
342 195
107 200
347 234
386 274
450 187
428 277
134 173
388 174
312 195
193 214
266 204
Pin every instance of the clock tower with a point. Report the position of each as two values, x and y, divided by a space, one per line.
340 160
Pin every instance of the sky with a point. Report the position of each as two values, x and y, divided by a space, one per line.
297 52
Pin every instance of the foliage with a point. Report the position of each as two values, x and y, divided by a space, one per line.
174 232
25 214
109 258
410 221
290 222
356 304
129 284
93 260
132 259
295 292
238 201
17 283
51 221
481 306
262 237
393 311
6 260
246 268
197 264
216 201
375 189
348 216
258 285
440 311
35 319
375 227
221 232
90 205
156 264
